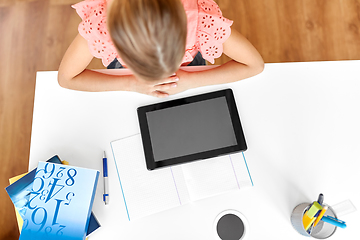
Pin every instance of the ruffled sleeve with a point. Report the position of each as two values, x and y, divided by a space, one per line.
213 30
93 29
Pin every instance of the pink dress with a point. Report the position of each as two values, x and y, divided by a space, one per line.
207 29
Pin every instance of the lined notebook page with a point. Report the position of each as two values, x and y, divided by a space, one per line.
146 192
217 175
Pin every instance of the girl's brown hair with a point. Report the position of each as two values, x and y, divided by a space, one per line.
149 35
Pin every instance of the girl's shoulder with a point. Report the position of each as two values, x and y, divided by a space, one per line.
207 29
85 8
93 29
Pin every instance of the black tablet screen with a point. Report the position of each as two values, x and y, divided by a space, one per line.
190 128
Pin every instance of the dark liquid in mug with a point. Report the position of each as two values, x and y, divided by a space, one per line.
230 227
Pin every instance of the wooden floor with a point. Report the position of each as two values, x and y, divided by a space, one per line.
34 35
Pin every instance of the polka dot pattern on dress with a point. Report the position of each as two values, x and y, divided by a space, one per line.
93 29
213 30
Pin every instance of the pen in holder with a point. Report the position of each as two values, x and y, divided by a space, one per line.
322 230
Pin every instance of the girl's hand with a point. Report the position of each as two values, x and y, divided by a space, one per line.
185 81
156 88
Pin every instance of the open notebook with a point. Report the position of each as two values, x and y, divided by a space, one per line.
148 192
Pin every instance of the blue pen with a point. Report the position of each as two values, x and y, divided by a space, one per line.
106 184
334 221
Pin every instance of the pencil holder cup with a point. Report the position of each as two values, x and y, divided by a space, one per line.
322 230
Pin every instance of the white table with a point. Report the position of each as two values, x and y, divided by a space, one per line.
301 122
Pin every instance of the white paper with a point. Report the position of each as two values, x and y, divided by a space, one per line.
215 176
145 192
148 192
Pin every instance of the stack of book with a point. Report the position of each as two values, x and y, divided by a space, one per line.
54 201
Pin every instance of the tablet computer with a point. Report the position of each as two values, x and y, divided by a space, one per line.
191 128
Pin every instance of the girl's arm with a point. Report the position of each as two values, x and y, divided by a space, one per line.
74 75
246 62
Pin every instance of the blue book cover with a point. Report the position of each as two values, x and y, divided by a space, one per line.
19 192
60 203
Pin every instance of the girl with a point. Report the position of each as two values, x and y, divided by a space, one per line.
153 38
